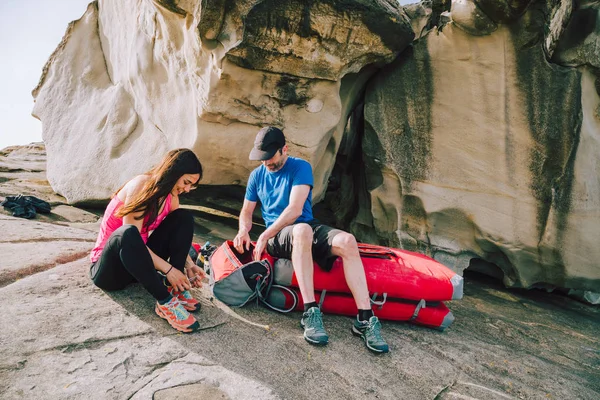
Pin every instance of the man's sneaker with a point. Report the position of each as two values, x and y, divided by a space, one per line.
314 332
186 299
370 331
177 316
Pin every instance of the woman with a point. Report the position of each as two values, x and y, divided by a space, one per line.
125 252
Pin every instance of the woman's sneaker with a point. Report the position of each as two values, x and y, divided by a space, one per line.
370 331
177 316
186 299
314 332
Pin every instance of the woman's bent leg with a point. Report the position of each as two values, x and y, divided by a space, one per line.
126 259
108 272
172 239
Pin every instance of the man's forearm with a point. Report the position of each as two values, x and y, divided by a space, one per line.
245 223
287 217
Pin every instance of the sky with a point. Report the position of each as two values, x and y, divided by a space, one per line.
30 30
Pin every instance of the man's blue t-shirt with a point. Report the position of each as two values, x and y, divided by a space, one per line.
273 189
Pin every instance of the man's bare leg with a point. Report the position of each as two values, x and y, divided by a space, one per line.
366 326
302 236
344 245
312 322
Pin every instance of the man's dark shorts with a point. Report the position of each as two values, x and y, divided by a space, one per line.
280 245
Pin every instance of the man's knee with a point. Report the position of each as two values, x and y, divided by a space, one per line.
302 235
346 243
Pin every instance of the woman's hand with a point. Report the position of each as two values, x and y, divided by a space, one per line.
195 275
178 280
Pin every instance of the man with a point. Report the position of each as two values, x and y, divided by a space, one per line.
283 184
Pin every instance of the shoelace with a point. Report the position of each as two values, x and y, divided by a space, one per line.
374 331
176 308
186 294
315 321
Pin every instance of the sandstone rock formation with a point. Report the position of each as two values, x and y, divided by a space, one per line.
131 80
489 157
476 145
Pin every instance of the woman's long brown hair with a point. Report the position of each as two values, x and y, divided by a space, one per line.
162 180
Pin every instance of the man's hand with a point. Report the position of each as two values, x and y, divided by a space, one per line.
195 274
261 245
241 242
178 280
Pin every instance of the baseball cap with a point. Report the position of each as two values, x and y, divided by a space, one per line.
268 140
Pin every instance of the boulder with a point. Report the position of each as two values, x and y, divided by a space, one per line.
131 80
488 159
477 144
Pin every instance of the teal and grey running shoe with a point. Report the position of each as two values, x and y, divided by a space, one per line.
314 332
370 331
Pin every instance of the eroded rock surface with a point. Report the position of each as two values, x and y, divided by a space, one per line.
23 169
479 142
135 79
65 234
579 44
70 340
490 155
30 247
64 338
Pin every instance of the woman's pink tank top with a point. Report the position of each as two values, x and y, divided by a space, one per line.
110 223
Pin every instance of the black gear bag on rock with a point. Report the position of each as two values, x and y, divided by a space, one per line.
25 206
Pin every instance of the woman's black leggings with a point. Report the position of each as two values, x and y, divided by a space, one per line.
125 258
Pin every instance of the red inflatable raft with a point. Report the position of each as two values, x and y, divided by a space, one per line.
404 286
393 273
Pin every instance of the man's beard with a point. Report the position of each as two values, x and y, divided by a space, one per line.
275 166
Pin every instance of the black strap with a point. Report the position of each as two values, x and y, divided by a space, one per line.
322 299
